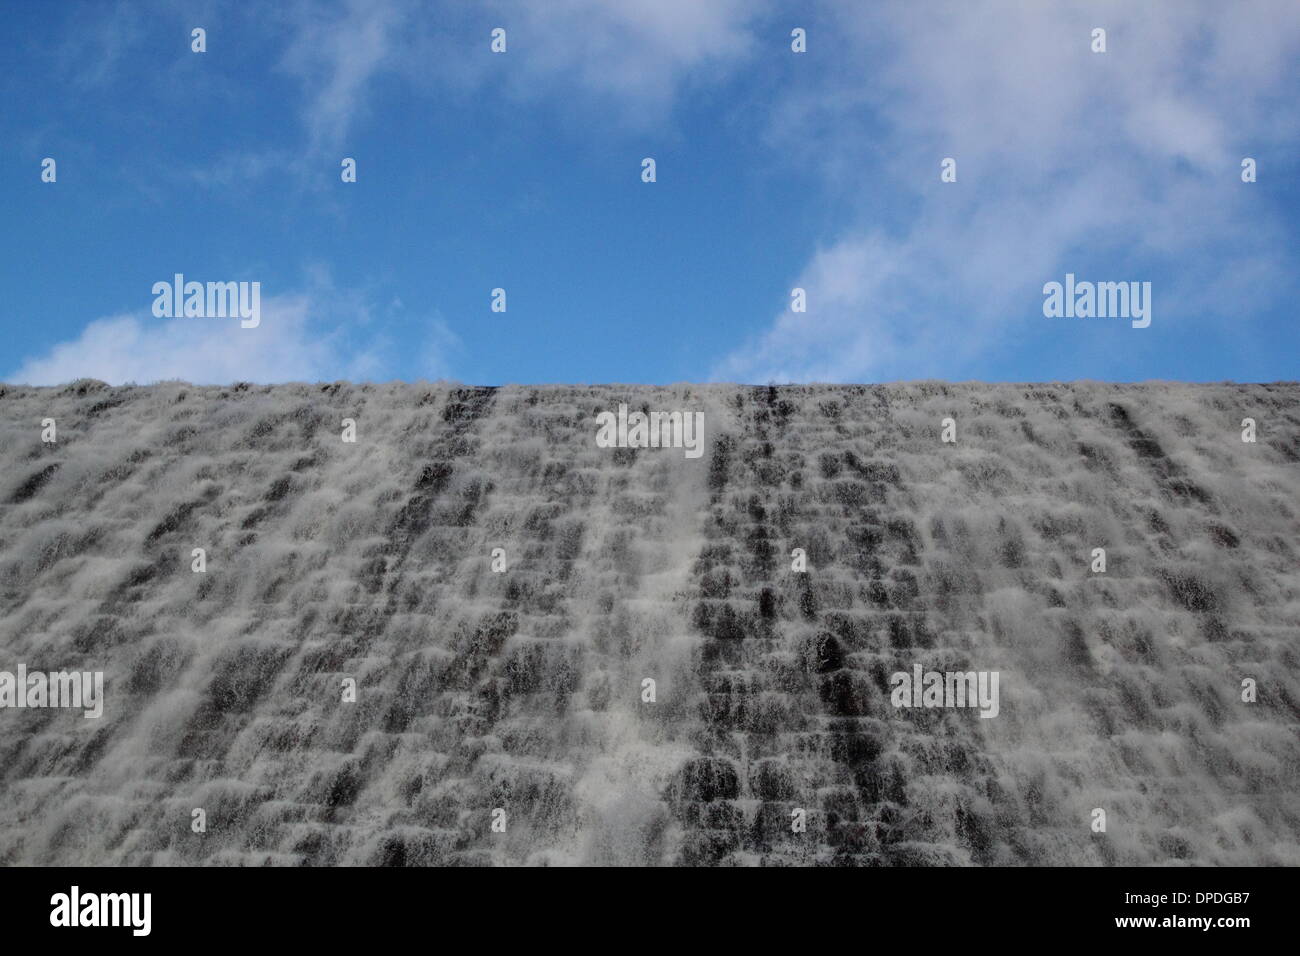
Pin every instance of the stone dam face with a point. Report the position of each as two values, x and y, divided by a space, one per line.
501 713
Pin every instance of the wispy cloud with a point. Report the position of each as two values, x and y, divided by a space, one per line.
335 51
1062 154
316 335
631 59
638 52
92 52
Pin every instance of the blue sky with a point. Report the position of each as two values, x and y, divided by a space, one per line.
775 170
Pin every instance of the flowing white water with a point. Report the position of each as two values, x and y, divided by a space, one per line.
522 691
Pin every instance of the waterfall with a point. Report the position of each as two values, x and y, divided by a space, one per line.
431 645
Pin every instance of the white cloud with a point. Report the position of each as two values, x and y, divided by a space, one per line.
292 343
635 53
101 40
335 54
848 280
638 51
1063 156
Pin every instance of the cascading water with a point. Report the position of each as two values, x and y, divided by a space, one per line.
502 713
